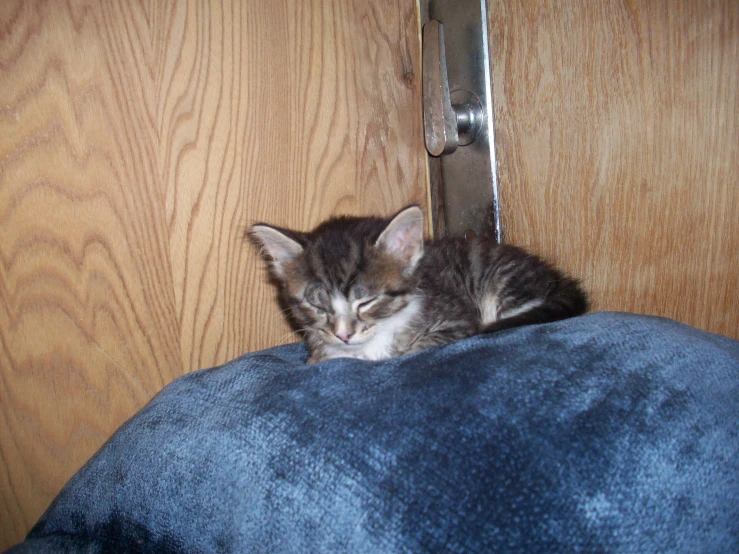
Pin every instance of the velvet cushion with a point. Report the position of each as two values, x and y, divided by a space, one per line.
603 433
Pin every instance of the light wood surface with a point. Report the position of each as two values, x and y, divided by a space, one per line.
138 140
617 129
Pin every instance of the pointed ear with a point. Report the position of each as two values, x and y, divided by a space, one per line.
276 247
403 236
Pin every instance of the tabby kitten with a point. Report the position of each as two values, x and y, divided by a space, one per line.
369 288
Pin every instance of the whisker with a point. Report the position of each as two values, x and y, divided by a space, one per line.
290 334
275 314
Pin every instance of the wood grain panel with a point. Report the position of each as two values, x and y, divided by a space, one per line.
617 123
137 142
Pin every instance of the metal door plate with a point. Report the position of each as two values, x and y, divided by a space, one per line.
469 184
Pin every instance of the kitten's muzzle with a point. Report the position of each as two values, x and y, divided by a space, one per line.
344 336
351 332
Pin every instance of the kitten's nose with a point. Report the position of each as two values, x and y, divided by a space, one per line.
343 329
344 335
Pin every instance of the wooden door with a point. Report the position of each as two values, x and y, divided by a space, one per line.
138 140
617 132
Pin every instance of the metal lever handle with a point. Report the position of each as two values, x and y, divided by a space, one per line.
439 119
450 120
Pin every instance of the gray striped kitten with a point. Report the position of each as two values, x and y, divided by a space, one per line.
371 288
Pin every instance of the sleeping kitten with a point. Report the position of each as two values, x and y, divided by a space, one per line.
369 288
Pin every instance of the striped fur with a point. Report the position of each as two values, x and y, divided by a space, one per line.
371 288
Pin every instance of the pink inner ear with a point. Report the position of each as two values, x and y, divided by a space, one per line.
405 241
403 236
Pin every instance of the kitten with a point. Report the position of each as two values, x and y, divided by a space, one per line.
369 288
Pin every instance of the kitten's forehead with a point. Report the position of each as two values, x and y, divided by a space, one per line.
336 259
340 305
341 252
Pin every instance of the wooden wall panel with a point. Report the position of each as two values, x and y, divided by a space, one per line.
617 128
137 142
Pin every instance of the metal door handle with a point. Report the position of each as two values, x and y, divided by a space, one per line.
450 119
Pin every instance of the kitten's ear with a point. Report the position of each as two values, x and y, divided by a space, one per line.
276 245
403 236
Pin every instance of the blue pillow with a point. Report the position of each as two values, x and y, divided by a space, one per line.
603 433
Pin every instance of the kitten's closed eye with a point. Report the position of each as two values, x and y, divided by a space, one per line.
364 304
318 309
317 297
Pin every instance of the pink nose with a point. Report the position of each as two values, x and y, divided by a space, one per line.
344 335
